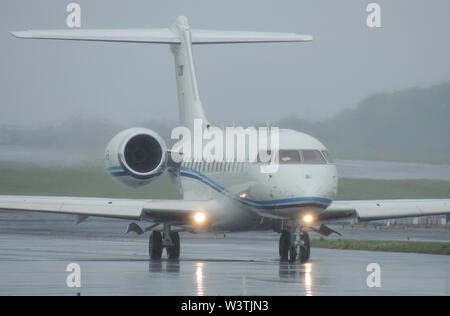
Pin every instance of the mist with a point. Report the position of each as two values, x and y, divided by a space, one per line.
43 83
63 101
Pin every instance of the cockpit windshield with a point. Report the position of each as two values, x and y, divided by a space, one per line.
313 157
327 156
289 156
295 156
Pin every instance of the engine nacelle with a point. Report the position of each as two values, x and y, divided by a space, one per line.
136 156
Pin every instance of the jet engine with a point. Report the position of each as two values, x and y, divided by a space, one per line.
136 156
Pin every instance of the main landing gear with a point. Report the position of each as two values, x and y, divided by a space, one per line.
167 239
294 245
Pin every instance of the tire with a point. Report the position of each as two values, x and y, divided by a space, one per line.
155 245
173 252
292 254
306 248
285 240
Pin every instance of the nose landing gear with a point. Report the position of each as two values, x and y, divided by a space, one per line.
294 245
167 239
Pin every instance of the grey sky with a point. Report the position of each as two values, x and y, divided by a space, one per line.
44 82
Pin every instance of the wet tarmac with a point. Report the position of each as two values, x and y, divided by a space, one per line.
33 261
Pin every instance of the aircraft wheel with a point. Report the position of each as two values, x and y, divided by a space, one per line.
173 252
305 251
285 240
292 254
155 245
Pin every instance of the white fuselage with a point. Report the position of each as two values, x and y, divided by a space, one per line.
246 196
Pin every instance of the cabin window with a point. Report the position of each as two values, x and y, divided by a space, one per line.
313 157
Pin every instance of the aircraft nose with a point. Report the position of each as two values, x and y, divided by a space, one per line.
321 184
310 181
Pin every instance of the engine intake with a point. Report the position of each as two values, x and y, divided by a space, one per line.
142 154
136 156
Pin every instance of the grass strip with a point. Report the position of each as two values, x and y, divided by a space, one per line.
435 248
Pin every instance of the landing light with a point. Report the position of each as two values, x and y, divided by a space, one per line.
308 219
199 217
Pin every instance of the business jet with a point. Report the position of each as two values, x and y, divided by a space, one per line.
296 199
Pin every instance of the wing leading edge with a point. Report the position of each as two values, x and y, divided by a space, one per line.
129 209
371 210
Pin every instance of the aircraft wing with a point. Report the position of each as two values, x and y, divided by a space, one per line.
179 211
371 210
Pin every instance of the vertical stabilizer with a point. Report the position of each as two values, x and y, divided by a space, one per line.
191 107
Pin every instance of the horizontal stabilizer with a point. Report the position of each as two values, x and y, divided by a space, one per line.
236 37
133 36
162 36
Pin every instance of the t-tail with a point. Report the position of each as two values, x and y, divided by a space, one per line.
180 37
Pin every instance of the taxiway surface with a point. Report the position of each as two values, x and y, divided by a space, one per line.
35 250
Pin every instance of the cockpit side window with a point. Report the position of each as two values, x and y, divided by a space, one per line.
313 157
327 156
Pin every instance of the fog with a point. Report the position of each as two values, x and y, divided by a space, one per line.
44 83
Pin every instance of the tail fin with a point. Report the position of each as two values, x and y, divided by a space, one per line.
181 38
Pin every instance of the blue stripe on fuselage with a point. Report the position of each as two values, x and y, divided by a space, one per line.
267 204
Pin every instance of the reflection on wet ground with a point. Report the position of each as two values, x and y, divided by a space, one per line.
170 266
34 263
300 273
